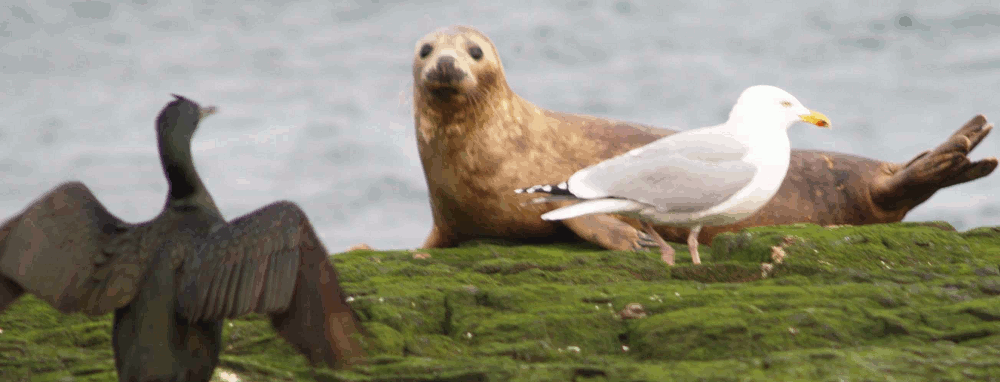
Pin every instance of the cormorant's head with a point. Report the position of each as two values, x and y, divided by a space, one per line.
180 118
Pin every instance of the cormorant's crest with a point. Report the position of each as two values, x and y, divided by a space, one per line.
175 112
179 99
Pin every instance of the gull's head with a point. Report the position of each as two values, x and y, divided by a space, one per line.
769 102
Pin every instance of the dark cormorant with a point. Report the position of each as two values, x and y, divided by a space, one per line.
172 280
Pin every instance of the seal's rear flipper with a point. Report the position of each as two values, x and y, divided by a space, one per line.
907 185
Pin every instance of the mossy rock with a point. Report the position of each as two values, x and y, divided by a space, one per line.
907 301
905 251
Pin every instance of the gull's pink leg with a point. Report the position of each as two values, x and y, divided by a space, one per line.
693 244
666 251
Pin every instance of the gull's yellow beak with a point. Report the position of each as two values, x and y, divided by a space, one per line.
816 118
206 111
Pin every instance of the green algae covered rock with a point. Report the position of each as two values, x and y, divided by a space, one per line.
907 301
902 251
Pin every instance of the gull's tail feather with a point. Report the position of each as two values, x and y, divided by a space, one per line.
554 189
596 206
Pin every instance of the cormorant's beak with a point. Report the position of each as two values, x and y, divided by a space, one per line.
816 118
206 111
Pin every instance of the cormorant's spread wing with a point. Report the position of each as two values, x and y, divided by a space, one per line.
53 247
271 261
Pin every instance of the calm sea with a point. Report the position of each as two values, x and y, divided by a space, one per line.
315 96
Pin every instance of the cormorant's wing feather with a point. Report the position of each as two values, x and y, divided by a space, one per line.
52 248
271 262
248 266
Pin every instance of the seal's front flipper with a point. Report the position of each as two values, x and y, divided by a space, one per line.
9 292
904 186
437 239
609 232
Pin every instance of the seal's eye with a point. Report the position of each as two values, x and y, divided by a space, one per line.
425 50
786 104
476 53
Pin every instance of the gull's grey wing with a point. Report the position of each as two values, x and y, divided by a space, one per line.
686 172
270 261
53 247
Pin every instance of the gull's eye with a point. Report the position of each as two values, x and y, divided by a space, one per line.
786 104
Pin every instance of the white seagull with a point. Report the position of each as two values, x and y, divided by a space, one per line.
713 175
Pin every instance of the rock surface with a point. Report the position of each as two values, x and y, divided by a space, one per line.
907 301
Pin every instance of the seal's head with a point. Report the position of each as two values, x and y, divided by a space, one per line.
456 64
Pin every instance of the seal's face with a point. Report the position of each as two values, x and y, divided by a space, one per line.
454 62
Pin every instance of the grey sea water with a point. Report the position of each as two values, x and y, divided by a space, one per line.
315 96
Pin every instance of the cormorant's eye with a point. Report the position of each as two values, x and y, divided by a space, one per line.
476 52
425 50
